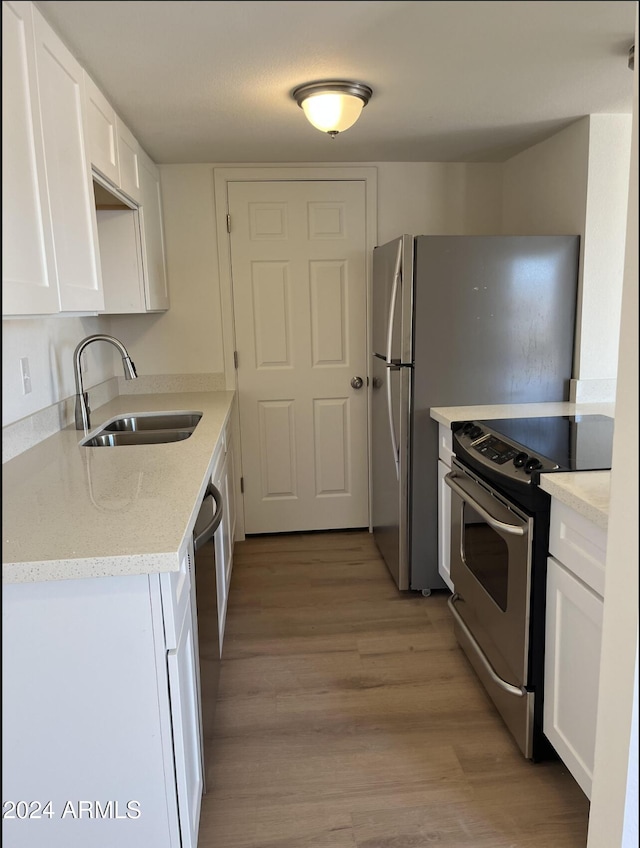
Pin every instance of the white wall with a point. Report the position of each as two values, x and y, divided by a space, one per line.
577 182
188 338
429 197
433 198
49 344
613 819
412 197
606 218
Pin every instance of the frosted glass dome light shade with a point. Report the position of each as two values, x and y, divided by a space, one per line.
332 107
332 112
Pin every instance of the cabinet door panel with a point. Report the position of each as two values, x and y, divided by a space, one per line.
128 158
101 132
444 526
68 173
572 670
153 247
28 272
185 714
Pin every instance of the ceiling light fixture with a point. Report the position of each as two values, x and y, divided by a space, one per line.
332 106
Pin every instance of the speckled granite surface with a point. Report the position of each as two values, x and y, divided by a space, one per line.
585 491
72 512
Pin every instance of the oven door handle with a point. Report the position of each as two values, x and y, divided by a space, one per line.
501 526
508 687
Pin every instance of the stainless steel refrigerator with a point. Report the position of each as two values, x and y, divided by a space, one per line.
457 321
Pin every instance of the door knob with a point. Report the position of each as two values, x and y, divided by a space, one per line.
357 382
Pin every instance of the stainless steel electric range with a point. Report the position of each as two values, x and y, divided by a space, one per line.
499 545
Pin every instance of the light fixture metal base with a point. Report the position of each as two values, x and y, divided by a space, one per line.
356 89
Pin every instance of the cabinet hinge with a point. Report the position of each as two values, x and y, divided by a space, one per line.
242 485
228 223
235 359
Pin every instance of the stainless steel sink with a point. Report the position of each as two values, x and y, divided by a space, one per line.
161 421
144 437
153 428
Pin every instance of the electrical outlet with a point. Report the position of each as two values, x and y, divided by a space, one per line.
26 375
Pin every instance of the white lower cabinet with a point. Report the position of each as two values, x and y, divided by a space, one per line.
444 525
223 479
573 639
445 452
187 741
101 718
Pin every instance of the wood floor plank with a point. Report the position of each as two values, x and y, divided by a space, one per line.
348 717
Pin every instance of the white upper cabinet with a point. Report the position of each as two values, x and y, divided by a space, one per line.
153 249
68 172
101 132
129 159
82 210
28 273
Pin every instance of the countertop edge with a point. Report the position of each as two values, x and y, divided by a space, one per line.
586 492
448 414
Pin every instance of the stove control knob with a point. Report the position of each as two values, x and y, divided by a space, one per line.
520 460
532 465
467 428
475 432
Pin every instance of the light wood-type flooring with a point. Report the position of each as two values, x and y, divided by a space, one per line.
348 717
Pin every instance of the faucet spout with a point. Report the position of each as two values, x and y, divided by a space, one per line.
82 411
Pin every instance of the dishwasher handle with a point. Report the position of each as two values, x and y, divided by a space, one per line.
207 533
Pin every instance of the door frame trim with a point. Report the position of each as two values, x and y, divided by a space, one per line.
259 173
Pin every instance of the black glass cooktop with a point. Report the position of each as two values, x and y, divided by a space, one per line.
574 442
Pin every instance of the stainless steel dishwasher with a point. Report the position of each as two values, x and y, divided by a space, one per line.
204 605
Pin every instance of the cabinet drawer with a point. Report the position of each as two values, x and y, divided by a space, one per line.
175 590
445 444
579 544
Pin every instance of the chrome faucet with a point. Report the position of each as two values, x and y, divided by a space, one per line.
83 421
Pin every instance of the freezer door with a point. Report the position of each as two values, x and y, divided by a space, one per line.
390 454
393 300
494 318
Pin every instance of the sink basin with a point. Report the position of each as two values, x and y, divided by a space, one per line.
141 437
161 421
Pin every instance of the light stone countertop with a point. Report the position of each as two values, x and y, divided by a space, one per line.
448 414
585 491
73 512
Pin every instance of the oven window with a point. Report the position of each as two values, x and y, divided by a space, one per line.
486 555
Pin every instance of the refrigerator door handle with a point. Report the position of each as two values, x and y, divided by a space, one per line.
392 426
392 304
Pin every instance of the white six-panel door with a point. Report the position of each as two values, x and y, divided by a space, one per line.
298 256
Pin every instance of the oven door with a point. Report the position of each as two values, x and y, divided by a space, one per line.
491 544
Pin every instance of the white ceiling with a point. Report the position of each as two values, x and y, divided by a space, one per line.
454 81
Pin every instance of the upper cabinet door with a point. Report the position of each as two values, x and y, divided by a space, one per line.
152 231
28 273
68 172
129 158
101 132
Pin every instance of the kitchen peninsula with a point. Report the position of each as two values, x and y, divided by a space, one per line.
100 668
